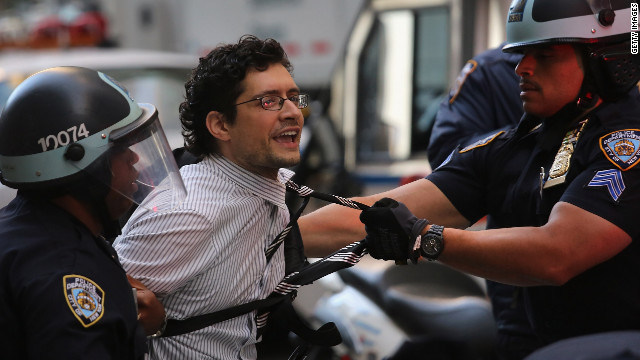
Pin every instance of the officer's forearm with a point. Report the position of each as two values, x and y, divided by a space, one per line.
573 241
333 226
329 229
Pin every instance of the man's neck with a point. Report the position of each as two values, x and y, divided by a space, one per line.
266 172
80 211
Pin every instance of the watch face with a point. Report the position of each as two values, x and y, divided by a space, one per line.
432 242
431 246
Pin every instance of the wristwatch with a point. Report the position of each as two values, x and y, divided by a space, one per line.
432 243
163 327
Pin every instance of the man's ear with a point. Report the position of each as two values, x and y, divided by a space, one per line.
217 125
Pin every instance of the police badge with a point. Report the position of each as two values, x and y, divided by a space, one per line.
560 166
622 148
85 299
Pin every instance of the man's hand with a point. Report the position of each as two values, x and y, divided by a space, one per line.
151 314
392 231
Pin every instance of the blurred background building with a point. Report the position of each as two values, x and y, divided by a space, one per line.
376 69
312 32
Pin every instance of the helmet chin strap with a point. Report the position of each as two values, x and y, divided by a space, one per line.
558 123
111 228
588 96
587 100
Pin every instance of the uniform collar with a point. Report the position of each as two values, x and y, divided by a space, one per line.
613 114
270 190
550 131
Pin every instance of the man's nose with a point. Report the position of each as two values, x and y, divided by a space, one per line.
290 109
133 157
525 66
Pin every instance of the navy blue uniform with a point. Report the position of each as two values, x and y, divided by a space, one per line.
63 294
501 177
486 97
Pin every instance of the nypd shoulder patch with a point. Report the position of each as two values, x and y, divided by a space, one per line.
622 148
467 69
481 142
85 299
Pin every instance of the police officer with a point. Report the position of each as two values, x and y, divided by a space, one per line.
561 186
485 97
80 152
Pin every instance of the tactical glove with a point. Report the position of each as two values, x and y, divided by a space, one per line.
392 231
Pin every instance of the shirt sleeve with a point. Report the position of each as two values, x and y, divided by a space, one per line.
165 250
462 179
606 191
68 301
485 99
54 332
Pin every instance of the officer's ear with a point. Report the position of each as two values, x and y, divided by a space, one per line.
217 125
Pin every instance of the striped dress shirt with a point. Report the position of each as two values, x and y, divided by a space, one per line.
207 254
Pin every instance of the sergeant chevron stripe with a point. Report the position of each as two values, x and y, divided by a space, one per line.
611 179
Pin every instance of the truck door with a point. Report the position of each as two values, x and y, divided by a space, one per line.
400 61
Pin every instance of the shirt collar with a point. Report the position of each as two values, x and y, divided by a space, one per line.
270 190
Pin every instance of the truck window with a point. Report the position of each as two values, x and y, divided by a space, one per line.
431 70
402 76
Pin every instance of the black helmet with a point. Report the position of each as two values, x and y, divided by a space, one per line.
601 26
62 122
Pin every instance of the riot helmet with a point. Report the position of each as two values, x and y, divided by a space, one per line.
600 27
64 129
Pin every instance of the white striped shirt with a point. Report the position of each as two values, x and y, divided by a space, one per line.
208 254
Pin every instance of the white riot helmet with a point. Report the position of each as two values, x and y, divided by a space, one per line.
601 26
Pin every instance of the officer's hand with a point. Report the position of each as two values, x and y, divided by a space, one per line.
151 313
392 231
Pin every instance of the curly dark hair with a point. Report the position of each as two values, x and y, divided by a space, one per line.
216 83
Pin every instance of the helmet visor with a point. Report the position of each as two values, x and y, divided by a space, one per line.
144 170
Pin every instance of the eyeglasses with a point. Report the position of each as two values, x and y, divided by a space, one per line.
275 103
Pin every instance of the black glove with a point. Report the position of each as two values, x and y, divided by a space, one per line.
392 231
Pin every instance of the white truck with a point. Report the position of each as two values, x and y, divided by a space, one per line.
311 31
400 60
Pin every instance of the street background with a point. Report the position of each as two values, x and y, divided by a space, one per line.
376 71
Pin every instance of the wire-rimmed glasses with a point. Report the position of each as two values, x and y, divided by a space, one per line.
275 102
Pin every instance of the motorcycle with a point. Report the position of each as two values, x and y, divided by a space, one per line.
383 311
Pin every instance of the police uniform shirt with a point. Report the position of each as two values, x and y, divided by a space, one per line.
62 293
501 176
208 254
486 97
484 100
